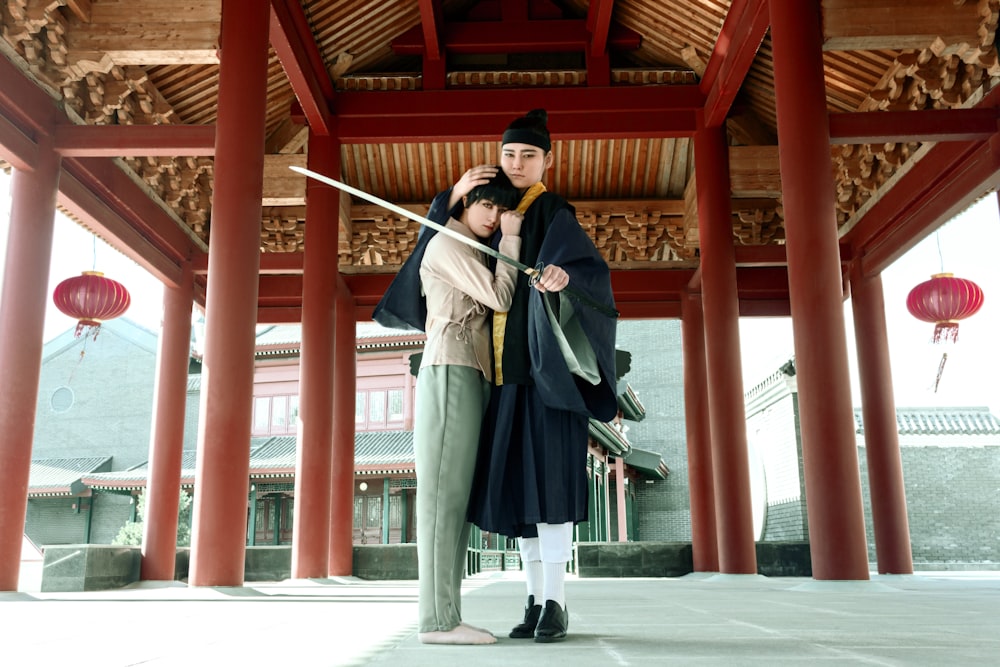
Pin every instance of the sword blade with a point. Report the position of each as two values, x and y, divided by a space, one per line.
532 273
410 215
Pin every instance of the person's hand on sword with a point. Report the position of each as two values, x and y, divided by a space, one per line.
552 279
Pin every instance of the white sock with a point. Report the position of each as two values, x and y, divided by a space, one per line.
554 587
533 570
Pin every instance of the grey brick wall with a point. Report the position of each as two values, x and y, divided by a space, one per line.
657 376
952 499
112 396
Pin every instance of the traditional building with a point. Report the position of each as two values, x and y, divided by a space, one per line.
89 469
951 464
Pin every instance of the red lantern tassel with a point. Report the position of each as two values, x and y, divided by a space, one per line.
946 331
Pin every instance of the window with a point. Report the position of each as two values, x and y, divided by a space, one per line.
261 414
379 409
359 407
279 414
275 414
395 405
376 408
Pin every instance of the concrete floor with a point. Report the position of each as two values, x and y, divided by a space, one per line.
925 619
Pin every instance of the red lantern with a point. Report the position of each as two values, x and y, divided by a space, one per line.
91 298
944 300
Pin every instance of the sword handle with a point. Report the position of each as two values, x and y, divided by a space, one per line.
536 273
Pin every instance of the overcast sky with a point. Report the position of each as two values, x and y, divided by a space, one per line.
967 246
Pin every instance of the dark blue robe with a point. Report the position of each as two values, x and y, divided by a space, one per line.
532 464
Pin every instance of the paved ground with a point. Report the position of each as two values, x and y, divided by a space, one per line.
926 619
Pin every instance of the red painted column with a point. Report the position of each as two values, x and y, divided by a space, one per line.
727 416
311 532
697 424
344 389
829 452
159 529
885 465
22 320
219 530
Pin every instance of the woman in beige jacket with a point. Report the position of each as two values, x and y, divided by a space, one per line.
453 388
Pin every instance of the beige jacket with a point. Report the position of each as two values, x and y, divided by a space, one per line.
460 291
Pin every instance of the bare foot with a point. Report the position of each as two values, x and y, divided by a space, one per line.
460 634
476 628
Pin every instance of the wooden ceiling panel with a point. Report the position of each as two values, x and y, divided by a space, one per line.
911 55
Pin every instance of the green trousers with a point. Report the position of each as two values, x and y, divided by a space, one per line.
450 405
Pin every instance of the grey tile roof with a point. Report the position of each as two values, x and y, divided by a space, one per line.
280 334
374 451
383 448
940 421
62 476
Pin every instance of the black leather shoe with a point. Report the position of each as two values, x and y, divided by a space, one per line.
553 624
526 628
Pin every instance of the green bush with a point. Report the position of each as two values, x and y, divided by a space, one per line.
131 532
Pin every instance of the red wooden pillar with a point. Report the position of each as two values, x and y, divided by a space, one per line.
829 452
311 533
734 527
885 466
344 389
704 545
219 532
159 530
22 320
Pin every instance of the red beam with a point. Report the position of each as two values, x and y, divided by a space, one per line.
477 115
950 177
430 22
16 147
941 185
26 113
599 25
134 140
876 127
742 32
117 224
295 47
515 36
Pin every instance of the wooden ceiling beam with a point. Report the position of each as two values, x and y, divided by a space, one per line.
293 42
515 36
136 32
742 32
134 140
861 25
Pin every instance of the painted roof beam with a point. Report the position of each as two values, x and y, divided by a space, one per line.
293 42
746 24
431 20
481 114
877 127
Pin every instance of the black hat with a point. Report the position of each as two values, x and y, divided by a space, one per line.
529 129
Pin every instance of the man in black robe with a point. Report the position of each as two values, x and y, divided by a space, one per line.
554 368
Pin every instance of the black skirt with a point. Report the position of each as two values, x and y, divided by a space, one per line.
531 467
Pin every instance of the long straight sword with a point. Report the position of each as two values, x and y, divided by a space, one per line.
532 273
